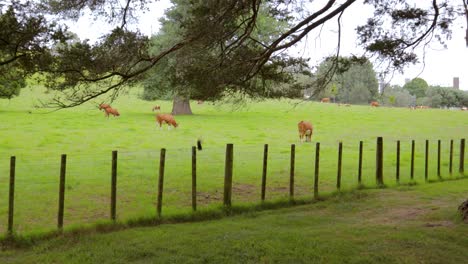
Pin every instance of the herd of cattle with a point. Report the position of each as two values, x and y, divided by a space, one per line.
305 127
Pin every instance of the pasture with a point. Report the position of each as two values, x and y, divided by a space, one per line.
37 138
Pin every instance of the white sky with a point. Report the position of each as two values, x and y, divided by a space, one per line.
441 64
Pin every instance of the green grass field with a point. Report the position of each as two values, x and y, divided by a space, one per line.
407 224
38 138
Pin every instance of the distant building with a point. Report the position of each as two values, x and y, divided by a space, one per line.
456 83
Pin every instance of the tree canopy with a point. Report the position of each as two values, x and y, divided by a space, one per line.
227 30
417 87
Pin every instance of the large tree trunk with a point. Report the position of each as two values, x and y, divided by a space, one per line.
181 106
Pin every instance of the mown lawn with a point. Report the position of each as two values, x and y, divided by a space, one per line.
38 138
407 224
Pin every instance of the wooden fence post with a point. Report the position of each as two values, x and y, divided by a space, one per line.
228 175
398 161
462 156
340 156
317 165
360 163
264 171
162 162
291 172
11 196
114 185
63 167
438 158
194 178
412 159
451 157
379 161
426 162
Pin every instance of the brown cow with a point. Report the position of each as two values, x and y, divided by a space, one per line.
305 129
374 104
112 111
166 118
325 100
156 107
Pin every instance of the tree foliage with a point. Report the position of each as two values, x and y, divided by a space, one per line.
226 30
354 81
417 87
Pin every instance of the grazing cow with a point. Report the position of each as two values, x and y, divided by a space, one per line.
112 111
305 129
464 108
103 106
325 100
166 118
156 107
374 104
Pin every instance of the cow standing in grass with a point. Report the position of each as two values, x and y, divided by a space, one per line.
374 104
305 129
166 118
111 111
156 107
325 100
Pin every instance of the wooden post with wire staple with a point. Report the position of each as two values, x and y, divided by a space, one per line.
461 169
162 162
114 185
194 178
398 162
340 156
11 196
228 175
438 158
379 162
426 162
264 171
291 171
317 166
412 160
63 168
360 163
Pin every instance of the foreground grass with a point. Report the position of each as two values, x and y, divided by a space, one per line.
408 224
38 138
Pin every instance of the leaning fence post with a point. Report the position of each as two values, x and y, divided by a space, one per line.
379 161
11 196
194 178
63 167
316 176
398 162
340 155
412 159
162 162
114 185
228 175
360 163
426 162
291 172
462 156
264 171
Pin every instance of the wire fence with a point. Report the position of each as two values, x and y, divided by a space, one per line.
80 189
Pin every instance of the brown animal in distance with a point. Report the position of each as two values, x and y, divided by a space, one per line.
156 107
166 118
111 111
325 100
374 104
103 106
305 129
